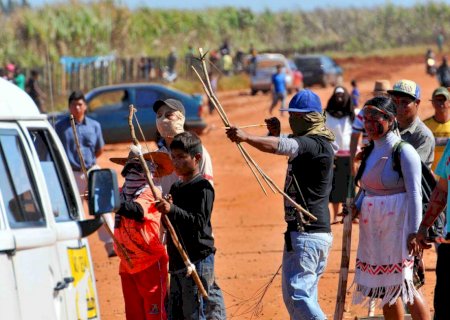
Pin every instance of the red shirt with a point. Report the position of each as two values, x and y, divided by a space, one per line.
141 239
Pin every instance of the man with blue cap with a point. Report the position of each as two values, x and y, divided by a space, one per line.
308 181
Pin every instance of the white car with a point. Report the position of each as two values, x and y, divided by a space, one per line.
264 67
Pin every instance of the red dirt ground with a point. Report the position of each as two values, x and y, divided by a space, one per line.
248 225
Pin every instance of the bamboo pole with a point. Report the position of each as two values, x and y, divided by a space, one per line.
166 220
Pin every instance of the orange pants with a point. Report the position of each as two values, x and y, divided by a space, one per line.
144 292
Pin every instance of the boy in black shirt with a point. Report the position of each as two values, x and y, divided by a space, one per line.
190 214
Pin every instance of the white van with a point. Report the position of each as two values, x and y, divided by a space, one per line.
46 270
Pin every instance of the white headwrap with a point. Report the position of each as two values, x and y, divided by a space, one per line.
169 128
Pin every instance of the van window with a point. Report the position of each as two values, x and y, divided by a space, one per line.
17 187
62 199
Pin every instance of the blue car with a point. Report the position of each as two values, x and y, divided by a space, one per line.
318 69
109 105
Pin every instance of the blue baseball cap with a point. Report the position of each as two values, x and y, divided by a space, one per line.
304 101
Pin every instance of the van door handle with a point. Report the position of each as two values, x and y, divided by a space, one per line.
61 285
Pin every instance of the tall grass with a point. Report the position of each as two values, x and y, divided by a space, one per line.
29 35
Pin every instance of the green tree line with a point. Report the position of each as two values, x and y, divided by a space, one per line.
31 35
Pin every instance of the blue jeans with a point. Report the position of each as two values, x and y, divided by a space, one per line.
302 268
185 301
278 96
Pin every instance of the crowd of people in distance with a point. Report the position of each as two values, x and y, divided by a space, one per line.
16 75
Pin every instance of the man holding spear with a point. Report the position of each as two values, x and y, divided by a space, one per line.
308 181
91 146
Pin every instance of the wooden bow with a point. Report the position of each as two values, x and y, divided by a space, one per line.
166 220
254 167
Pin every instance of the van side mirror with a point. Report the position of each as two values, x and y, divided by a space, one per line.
103 194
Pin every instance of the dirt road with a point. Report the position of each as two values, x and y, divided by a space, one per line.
248 225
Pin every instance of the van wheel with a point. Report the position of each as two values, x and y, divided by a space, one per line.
254 92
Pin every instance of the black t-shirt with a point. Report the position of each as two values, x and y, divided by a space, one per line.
190 215
313 171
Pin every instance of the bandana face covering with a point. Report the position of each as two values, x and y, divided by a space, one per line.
170 123
312 123
299 125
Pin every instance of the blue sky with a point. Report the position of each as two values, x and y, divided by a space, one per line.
255 5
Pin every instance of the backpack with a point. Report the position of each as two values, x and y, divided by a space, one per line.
428 184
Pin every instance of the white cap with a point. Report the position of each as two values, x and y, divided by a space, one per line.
339 90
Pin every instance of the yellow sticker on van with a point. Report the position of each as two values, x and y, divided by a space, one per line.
83 283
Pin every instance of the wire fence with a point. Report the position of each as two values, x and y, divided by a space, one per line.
61 79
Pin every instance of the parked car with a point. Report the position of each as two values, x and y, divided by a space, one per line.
109 105
319 69
265 66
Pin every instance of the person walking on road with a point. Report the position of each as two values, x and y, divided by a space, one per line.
278 88
308 181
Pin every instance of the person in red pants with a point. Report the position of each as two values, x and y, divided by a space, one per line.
143 265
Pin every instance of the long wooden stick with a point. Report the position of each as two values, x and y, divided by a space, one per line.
77 144
346 250
210 93
249 126
105 224
166 220
225 121
218 106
